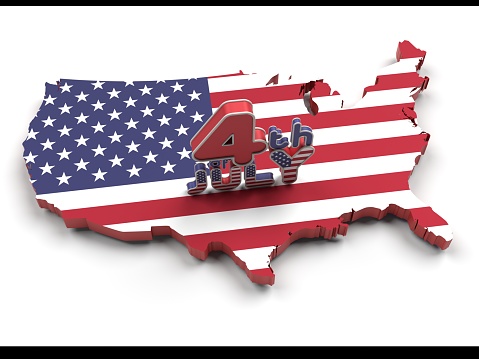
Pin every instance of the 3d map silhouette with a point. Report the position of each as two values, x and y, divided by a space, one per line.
240 163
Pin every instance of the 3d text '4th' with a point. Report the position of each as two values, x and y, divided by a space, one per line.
230 139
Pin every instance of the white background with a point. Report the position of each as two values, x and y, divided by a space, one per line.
378 285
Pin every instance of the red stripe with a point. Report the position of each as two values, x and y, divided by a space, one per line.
396 81
358 149
236 200
258 95
276 235
272 93
276 93
337 118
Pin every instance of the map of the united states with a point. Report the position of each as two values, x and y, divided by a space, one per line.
116 157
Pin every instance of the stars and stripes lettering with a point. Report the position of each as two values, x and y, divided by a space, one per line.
200 183
253 179
228 182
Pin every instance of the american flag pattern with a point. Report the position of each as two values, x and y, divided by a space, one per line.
114 156
225 183
289 165
253 179
200 182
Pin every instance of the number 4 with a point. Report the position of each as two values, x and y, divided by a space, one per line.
230 133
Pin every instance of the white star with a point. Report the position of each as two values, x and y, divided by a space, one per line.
99 150
131 124
81 141
48 122
150 157
114 114
194 95
164 120
46 169
98 127
130 102
97 85
99 175
161 99
134 171
166 143
129 83
115 137
47 144
148 133
177 87
49 100
147 111
82 96
81 165
32 134
168 167
63 179
98 105
65 108
113 93
64 154
197 117
184 153
182 130
64 131
179 108
81 118
116 161
66 87
30 157
145 90
132 147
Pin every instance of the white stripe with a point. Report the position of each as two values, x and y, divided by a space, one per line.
255 258
274 215
177 188
364 132
400 67
293 107
331 103
442 231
